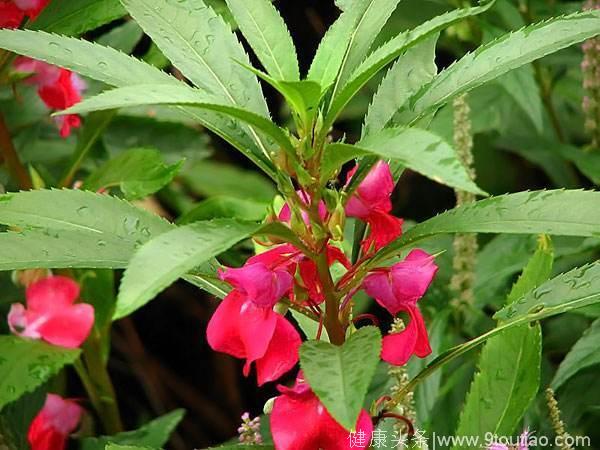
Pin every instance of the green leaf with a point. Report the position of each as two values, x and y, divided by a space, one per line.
419 150
165 259
269 37
583 354
70 228
372 17
26 364
167 94
509 366
508 379
225 207
110 446
203 47
409 73
138 172
123 38
76 17
340 375
388 52
534 212
86 58
117 69
504 54
574 289
309 326
154 434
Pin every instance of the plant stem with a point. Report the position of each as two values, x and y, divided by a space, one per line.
11 159
97 383
332 322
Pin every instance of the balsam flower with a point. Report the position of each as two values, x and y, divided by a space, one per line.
245 325
398 288
58 88
371 203
51 314
318 429
12 12
52 426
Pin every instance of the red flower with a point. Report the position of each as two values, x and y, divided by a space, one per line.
398 288
58 88
51 314
51 427
10 15
241 328
372 203
12 12
316 429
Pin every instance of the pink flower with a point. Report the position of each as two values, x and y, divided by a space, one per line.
51 427
372 203
58 88
51 314
299 421
398 288
12 12
241 328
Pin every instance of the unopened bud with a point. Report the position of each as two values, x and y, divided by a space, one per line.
29 276
269 405
337 222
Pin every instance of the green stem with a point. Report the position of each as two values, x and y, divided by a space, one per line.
332 322
97 383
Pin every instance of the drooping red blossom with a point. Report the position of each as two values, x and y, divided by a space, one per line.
54 423
317 429
12 12
51 314
371 203
242 329
398 288
58 88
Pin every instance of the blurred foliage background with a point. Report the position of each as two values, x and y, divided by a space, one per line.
528 134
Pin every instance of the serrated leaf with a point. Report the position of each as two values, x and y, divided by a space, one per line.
86 58
117 69
268 35
163 260
340 375
26 364
504 54
583 354
391 50
418 150
372 17
154 434
138 172
203 47
509 368
76 17
69 228
409 73
534 212
168 94
507 381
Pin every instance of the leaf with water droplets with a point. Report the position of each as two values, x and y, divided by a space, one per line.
26 364
558 212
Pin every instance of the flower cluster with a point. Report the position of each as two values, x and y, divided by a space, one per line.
12 12
248 325
58 88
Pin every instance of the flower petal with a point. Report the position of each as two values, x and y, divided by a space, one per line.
397 348
69 327
287 435
51 294
256 328
378 285
282 353
223 331
411 278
